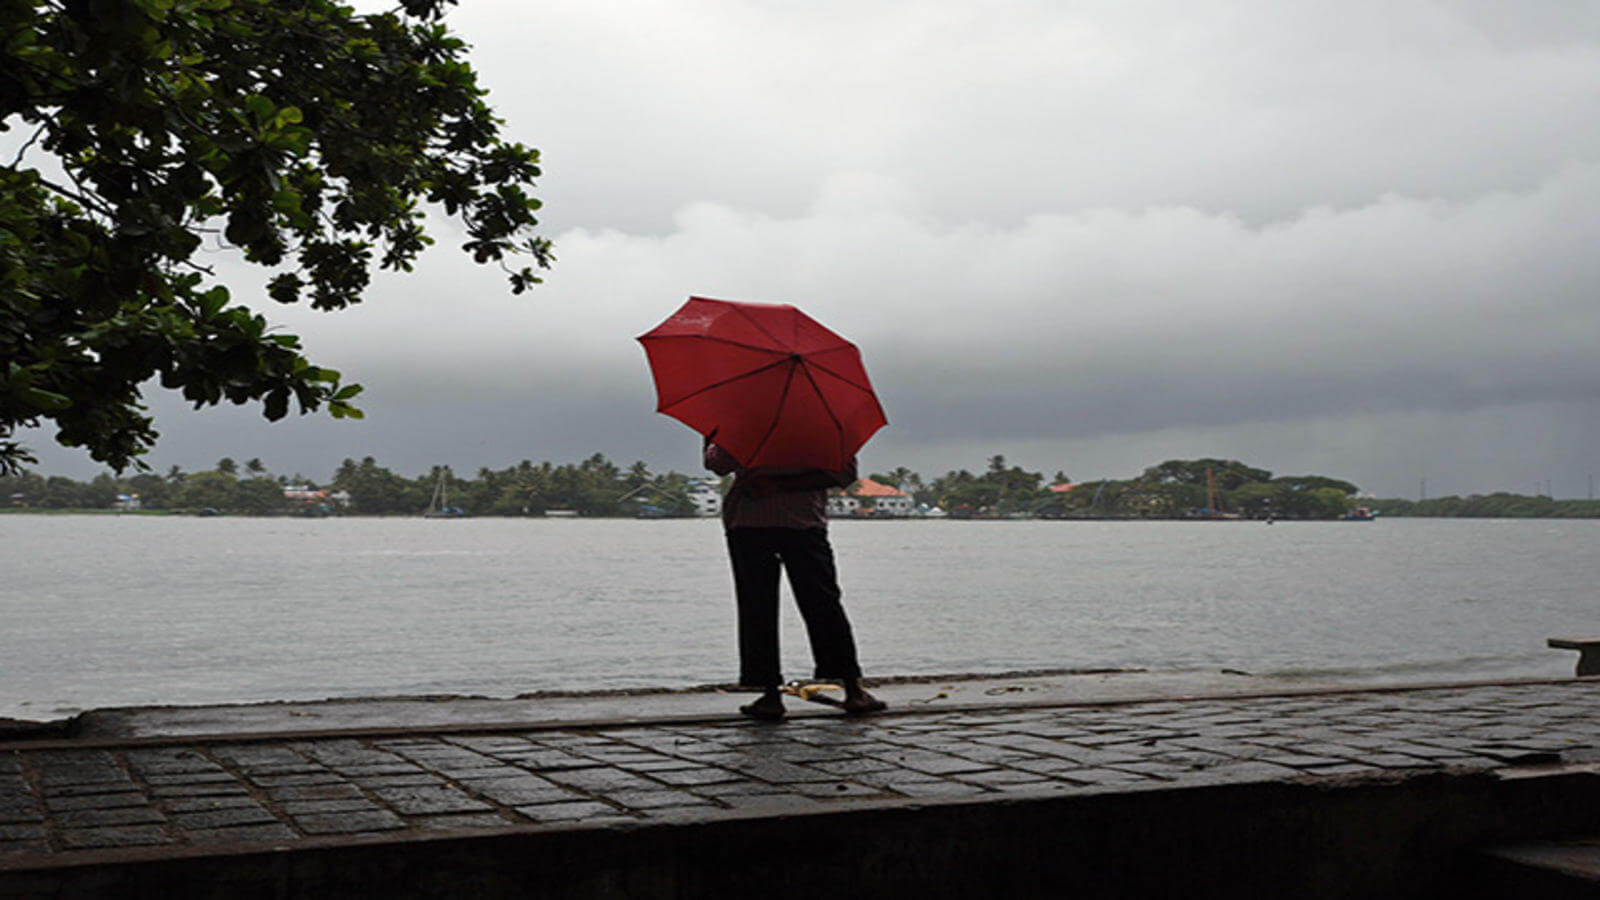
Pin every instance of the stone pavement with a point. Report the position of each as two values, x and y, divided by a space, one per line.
468 713
74 801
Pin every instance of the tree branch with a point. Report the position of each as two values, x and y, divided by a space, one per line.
87 200
207 270
24 150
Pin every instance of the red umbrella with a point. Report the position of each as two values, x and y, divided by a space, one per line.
774 386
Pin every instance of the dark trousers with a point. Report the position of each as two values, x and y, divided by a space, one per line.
808 558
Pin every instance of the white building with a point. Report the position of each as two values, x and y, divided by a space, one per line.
706 495
869 498
305 495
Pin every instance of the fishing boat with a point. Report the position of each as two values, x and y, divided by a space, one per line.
439 506
1213 508
1360 514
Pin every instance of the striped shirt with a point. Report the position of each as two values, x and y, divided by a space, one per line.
766 497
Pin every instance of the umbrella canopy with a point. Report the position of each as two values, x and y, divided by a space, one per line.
773 385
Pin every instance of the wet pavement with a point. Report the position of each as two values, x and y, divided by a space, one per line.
143 796
910 693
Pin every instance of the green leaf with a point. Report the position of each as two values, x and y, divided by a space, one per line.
286 201
40 398
285 288
212 301
276 404
259 107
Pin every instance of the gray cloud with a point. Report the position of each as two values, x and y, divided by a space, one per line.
1354 239
991 112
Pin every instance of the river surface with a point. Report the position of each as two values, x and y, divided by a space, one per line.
130 610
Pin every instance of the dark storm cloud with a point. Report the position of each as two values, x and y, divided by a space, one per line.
1355 238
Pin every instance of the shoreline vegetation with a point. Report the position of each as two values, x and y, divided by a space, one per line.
596 487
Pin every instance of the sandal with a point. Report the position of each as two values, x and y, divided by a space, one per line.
866 704
767 709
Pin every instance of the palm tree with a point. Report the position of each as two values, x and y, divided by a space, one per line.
638 474
254 466
905 479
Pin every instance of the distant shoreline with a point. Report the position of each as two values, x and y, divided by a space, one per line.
1557 513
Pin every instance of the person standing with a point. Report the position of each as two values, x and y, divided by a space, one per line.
778 518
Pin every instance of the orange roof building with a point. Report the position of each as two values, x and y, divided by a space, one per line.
866 487
870 498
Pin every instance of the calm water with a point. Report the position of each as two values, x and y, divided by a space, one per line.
106 610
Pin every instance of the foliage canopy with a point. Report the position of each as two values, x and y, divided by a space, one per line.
306 137
593 487
1176 488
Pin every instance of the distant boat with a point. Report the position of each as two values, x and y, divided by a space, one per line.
1360 514
1213 508
439 507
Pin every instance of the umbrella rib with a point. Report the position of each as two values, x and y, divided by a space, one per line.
761 328
838 426
729 380
808 357
860 387
707 337
777 412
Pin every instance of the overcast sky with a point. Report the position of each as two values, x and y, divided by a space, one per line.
1359 239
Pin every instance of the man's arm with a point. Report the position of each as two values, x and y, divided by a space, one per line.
719 460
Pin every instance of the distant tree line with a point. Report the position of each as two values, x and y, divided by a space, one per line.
1174 489
593 487
1490 506
598 487
252 492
